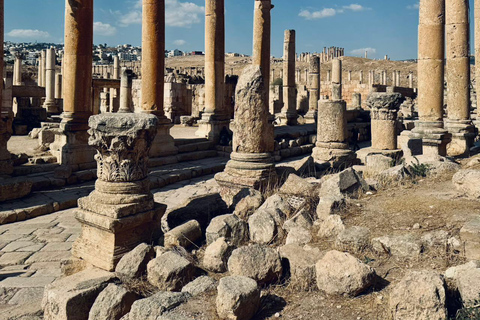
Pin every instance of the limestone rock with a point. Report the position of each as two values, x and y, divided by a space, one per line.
355 238
198 286
419 295
301 264
238 298
170 271
73 296
134 264
347 182
330 226
302 167
251 201
14 188
296 186
228 226
280 203
466 279
340 273
153 307
399 245
184 235
258 262
470 236
302 219
299 235
438 238
378 162
216 255
468 182
395 173
265 226
112 303
328 205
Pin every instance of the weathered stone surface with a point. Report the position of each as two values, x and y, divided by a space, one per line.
419 295
238 298
302 219
395 173
466 279
265 225
301 264
216 255
228 226
399 245
251 201
355 238
346 182
330 226
328 205
72 297
184 235
296 186
467 181
14 188
153 307
134 264
340 273
278 202
470 236
198 286
170 272
258 262
298 235
112 303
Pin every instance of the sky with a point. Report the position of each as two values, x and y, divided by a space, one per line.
382 27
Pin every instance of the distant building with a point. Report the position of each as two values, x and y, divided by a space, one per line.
197 53
175 53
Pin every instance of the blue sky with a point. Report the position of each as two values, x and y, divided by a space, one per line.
383 26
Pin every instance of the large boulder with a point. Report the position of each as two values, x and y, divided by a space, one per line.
280 203
198 286
468 182
228 226
419 295
258 262
265 225
112 303
330 226
302 219
216 255
355 239
298 235
170 271
340 273
347 182
251 201
301 265
134 264
296 186
238 298
466 280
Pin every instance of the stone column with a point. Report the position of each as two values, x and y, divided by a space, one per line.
459 124
120 213
214 117
399 79
384 77
58 86
410 80
50 103
17 70
126 91
361 76
153 70
383 109
349 75
329 76
313 89
288 116
431 54
6 114
71 141
114 96
44 68
332 147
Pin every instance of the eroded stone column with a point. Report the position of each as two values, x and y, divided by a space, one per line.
126 91
336 79
431 54
114 95
17 70
153 70
458 123
50 103
6 115
288 115
314 89
214 117
120 213
58 86
41 69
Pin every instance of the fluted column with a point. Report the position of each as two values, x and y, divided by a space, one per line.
288 115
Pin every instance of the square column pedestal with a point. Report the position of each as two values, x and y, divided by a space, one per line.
120 213
211 125
463 135
434 138
163 145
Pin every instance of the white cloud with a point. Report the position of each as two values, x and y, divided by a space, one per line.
132 17
330 12
179 42
28 34
361 51
354 7
415 6
104 29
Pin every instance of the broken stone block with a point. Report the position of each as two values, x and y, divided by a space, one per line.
298 235
347 182
301 264
376 162
466 280
395 173
14 188
467 181
216 255
258 262
112 303
328 205
302 167
134 264
419 295
238 298
280 203
340 273
355 238
265 226
198 286
153 307
302 219
296 186
330 226
228 226
72 297
248 204
184 235
170 271
398 245
470 236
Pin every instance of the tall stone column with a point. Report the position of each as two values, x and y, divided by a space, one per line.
410 80
399 79
214 117
44 68
383 109
314 89
459 124
17 70
431 54
114 95
58 86
153 71
6 114
288 116
120 213
50 103
71 141
332 146
126 91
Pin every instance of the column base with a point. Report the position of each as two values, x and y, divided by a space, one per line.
51 106
163 145
463 136
210 126
311 116
287 118
434 138
337 154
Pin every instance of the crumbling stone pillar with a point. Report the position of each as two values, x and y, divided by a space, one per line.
314 89
458 123
251 162
383 109
6 115
431 53
114 95
71 141
214 117
288 115
17 70
153 65
120 213
126 91
50 103
336 79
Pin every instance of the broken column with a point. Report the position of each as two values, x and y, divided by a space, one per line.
6 115
458 123
314 89
332 146
431 53
120 213
214 117
17 70
71 141
288 116
50 103
153 65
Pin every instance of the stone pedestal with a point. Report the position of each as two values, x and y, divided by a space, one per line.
434 138
384 108
463 134
120 213
251 162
